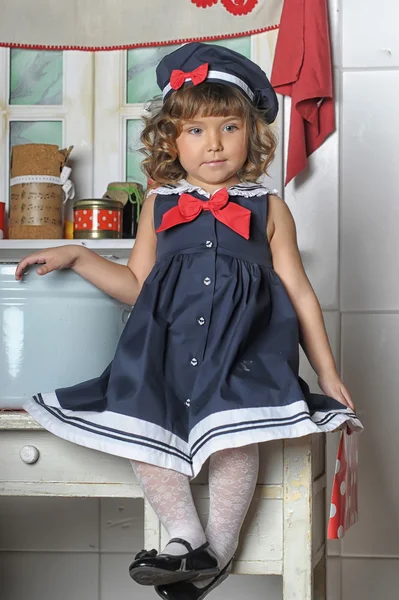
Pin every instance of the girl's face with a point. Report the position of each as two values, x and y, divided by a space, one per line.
212 150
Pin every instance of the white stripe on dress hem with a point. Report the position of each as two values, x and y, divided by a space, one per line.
103 443
124 424
226 437
129 428
238 417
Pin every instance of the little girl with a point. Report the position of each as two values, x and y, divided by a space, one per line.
207 366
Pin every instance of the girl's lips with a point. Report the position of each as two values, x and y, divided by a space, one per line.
214 162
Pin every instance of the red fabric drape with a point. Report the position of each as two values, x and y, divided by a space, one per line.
302 69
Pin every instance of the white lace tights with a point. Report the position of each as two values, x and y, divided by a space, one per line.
170 496
232 479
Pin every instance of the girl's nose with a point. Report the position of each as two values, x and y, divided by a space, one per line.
214 141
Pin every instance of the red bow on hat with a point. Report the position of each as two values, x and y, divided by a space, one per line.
197 76
188 208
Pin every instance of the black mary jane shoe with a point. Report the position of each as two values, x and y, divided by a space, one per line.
151 568
188 591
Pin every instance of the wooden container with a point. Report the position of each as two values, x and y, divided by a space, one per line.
36 202
36 211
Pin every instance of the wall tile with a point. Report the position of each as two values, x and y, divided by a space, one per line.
334 579
275 179
334 17
370 33
370 346
45 576
271 462
122 525
332 323
250 587
370 176
370 579
115 582
49 524
313 200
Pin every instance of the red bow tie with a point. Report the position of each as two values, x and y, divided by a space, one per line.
197 76
188 208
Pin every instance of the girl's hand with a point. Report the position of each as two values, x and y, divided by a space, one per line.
332 386
52 259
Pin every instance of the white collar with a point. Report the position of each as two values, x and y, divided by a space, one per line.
246 189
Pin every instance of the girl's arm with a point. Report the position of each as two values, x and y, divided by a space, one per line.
288 265
122 282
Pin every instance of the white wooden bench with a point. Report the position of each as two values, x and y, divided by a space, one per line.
284 533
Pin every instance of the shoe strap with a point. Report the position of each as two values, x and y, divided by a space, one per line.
182 542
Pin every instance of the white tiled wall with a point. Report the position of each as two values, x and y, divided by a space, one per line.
80 549
369 296
347 213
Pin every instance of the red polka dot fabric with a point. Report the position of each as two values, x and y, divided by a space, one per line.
344 498
95 220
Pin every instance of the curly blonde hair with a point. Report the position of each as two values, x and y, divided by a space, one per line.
161 163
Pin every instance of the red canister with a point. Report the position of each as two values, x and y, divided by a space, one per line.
97 219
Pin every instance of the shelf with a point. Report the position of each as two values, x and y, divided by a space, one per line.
14 250
17 419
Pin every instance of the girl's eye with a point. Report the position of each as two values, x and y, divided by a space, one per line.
230 128
195 130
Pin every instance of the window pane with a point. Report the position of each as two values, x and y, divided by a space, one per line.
142 62
35 77
36 132
141 78
241 45
133 157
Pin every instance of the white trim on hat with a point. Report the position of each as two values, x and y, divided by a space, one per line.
224 77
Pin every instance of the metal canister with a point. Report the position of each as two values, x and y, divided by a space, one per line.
97 219
60 310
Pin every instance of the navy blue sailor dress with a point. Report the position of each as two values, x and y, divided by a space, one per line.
209 357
